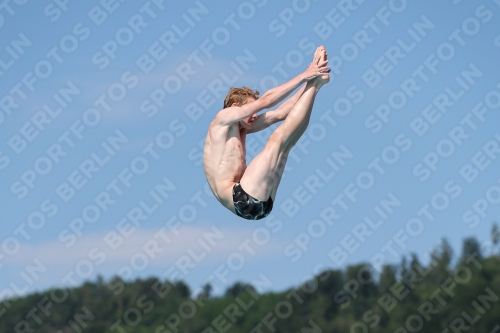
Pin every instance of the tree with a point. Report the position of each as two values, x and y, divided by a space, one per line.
471 247
362 280
331 281
206 291
446 253
404 270
182 289
238 288
387 279
495 235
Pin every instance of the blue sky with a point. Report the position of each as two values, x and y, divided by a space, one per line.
104 108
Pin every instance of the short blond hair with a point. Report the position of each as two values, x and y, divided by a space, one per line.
239 96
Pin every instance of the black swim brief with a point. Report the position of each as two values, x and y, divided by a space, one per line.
248 207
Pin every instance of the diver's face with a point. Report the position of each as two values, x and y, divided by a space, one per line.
248 121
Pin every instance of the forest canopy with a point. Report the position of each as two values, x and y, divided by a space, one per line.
407 297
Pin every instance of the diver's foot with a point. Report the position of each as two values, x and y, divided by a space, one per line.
324 58
318 54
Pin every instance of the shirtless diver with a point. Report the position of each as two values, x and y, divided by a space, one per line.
249 191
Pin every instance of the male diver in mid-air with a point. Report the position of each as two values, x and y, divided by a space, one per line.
249 191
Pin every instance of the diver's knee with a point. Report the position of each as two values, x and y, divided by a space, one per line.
278 139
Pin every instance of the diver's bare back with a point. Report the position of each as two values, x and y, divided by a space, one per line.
224 159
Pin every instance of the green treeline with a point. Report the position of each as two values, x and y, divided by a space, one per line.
408 297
